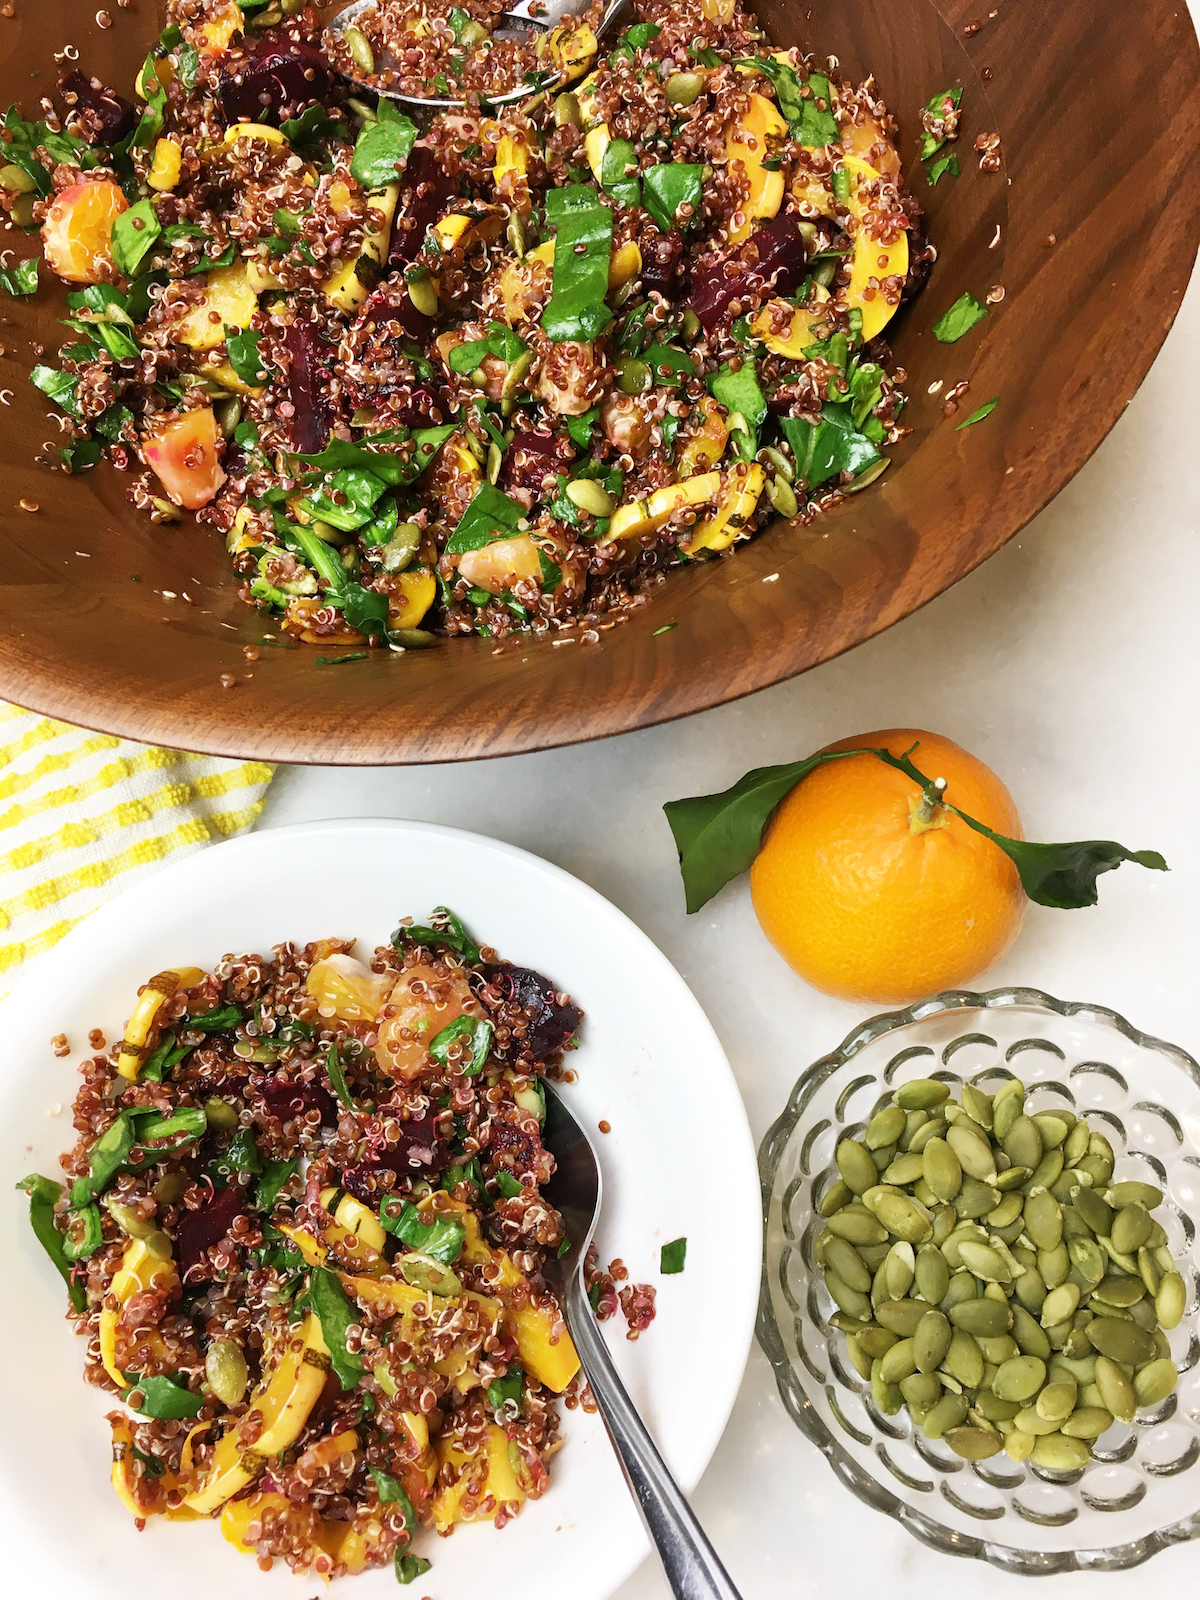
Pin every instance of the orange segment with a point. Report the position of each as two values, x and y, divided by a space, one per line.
866 903
77 231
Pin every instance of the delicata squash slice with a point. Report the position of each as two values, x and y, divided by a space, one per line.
315 1269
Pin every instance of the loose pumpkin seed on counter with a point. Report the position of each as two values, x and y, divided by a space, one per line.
992 1278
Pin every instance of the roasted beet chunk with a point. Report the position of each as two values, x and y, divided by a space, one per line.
549 1025
198 1231
427 188
308 387
662 260
535 455
104 116
770 262
419 1153
287 1101
274 76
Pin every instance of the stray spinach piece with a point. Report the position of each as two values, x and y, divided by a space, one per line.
213 1021
668 186
242 348
391 1493
57 386
942 166
357 491
43 1192
931 144
450 931
153 1467
959 320
335 1314
438 1237
510 1387
163 1398
673 1256
133 233
581 428
409 1567
272 1181
566 1243
241 1156
668 365
985 410
21 279
392 468
79 456
474 1029
381 145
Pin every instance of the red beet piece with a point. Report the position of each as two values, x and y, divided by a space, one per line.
662 262
198 1231
772 260
308 381
106 116
552 1025
418 1153
534 455
273 78
287 1101
427 188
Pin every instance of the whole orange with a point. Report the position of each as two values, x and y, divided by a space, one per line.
871 896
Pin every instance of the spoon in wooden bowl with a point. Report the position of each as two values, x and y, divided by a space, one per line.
692 1566
526 18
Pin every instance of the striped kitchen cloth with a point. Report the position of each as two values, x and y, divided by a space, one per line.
84 815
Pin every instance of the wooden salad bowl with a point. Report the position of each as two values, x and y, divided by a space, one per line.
1090 227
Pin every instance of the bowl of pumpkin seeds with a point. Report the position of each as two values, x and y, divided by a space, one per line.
980 1288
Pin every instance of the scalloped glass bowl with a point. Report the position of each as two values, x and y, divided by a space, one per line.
1141 1491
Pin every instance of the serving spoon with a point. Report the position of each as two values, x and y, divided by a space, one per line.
538 16
692 1566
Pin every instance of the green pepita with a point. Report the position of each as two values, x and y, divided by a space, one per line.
1148 1271
984 1318
858 1226
1087 1422
1019 1445
1116 1391
1119 1291
899 1362
1054 1266
1007 1212
844 1260
921 1094
1134 1194
898 1270
887 1395
1130 1229
941 1168
1155 1381
1057 1400
1171 1300
931 1341
1029 1334
901 1317
1052 1128
904 1217
1019 1378
1120 1341
838 1194
1059 1453
964 1360
1043 1220
948 1413
1023 1143
856 1167
985 1262
932 1275
974 1444
1088 1260
921 1389
884 1128
905 1169
929 1128
973 1151
1060 1304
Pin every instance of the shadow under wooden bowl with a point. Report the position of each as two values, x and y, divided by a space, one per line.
1090 227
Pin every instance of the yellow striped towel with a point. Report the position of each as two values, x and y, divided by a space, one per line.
83 815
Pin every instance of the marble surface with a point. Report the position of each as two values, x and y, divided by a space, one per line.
1069 663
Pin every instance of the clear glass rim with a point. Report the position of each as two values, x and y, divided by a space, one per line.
1009 1558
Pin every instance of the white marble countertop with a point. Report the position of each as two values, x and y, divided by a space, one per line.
1070 663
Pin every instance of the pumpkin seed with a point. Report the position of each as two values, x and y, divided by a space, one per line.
1019 1445
1008 1103
998 1348
898 1270
1076 1146
856 1167
921 1389
595 499
887 1395
1030 1336
1048 1170
941 1168
964 1360
1148 1272
1119 1291
905 1169
838 1194
1116 1391
1120 1341
1088 1260
930 1128
1054 1265
986 1318
985 1262
973 1151
923 1193
1087 1422
973 1444
1171 1300
1082 1369
921 1094
858 1226
423 294
900 1317
962 1287
1060 1304
1134 1194
844 1260
859 1359
1130 1229
1158 1236
994 1409
945 1220
226 1371
875 1342
1060 1453
1023 1143
1019 1378
931 1341
682 88
885 1127
1043 1220
904 1217
1155 1381
948 1413
977 1105
1007 1212
899 1362
1029 1422
424 1273
1031 1289
566 111
1053 1129
976 1199
1011 1178
932 1275
1057 1400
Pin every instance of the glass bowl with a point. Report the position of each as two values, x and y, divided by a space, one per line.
1141 1492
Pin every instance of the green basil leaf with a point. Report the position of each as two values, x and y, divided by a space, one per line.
576 310
57 386
510 1387
272 1181
673 1257
473 1029
21 279
829 447
937 107
241 345
381 145
440 1238
163 1398
335 1314
133 233
43 1192
491 515
959 320
410 1567
985 410
942 166
667 187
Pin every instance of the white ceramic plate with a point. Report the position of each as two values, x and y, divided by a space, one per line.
679 1160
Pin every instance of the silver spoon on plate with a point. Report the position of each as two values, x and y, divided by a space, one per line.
526 18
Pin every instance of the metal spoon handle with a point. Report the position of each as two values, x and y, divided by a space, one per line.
692 1566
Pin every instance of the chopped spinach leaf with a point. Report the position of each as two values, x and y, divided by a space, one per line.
510 1387
473 1029
491 515
21 279
57 386
985 410
959 320
381 145
668 186
133 233
409 1567
673 1256
576 310
829 447
437 1236
43 1193
163 1398
335 1313
942 166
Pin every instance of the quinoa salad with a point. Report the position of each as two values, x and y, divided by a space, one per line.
302 1233
495 370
